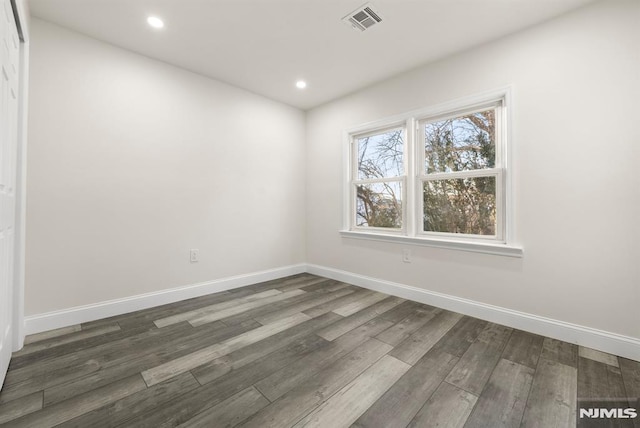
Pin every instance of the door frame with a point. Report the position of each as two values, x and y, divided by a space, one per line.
21 13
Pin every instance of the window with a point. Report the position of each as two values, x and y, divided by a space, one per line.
380 180
461 177
434 177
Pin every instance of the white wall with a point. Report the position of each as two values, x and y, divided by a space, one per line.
577 187
132 162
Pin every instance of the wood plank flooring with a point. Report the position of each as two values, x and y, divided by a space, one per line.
306 351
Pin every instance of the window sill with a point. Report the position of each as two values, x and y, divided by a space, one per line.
475 247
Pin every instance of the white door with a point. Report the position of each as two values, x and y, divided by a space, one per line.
9 46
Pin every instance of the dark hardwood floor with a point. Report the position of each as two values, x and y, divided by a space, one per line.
306 351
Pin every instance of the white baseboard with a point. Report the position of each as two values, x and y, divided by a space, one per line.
612 343
79 314
616 344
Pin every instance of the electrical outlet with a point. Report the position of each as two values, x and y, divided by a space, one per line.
194 256
406 256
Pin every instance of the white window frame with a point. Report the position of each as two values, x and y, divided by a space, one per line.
355 181
414 175
497 171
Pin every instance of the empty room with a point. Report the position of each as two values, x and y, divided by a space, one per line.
327 213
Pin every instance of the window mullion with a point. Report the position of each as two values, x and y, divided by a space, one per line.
409 192
419 162
500 203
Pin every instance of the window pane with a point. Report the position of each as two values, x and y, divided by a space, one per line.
466 205
379 205
381 155
461 144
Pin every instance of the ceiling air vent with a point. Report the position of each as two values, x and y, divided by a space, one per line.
362 18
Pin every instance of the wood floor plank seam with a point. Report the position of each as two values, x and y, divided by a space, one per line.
289 377
75 347
212 393
63 412
34 338
301 307
190 361
63 340
74 380
22 407
422 340
261 393
329 306
290 408
556 409
225 313
449 406
358 305
402 401
477 364
196 313
595 355
229 412
347 404
67 360
357 319
459 387
535 370
531 389
111 414
210 372
402 330
516 352
503 400
308 283
479 393
631 378
164 311
281 305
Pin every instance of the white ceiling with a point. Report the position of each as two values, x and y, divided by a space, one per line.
266 45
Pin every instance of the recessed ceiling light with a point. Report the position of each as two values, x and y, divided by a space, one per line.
155 22
301 84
